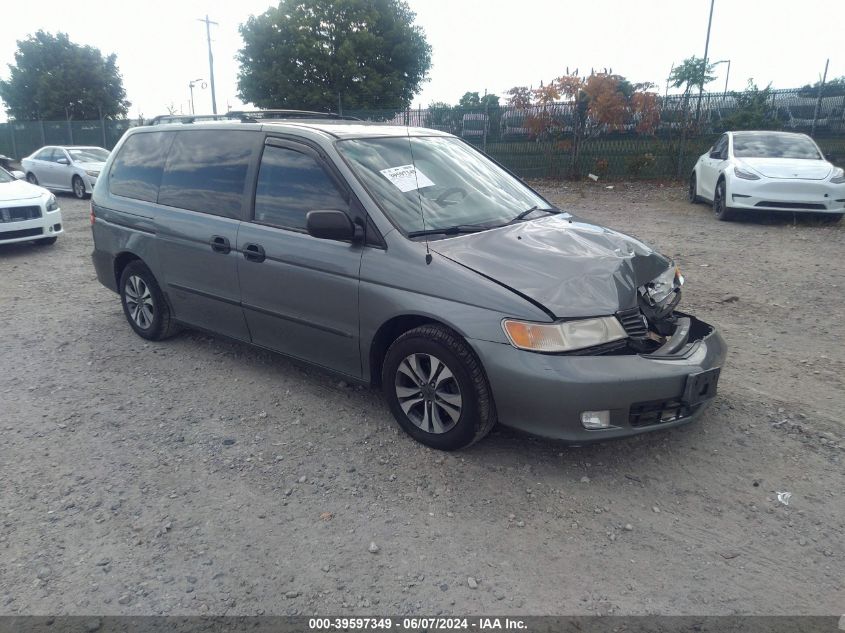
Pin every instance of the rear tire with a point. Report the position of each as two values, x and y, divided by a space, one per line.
31 178
720 204
436 388
144 304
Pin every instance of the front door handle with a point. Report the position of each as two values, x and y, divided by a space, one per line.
220 244
254 253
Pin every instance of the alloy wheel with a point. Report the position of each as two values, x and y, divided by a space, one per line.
139 302
428 393
78 188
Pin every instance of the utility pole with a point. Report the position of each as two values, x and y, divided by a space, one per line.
208 24
819 98
704 69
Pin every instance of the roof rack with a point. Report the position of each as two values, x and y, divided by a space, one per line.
251 116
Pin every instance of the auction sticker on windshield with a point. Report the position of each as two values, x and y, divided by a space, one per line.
407 178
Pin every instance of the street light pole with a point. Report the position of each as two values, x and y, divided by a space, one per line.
208 24
191 85
727 76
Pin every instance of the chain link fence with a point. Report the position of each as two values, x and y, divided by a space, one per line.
555 140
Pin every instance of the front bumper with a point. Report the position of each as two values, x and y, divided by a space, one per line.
794 196
544 394
48 225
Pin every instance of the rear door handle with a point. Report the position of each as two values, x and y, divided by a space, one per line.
220 244
254 253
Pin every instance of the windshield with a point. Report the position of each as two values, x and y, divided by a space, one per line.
88 155
775 146
5 176
452 183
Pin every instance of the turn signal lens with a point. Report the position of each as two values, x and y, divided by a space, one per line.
564 336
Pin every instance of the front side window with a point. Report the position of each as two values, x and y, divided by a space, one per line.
430 182
768 145
137 168
44 154
290 184
206 171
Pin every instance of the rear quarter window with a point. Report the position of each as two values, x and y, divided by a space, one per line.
206 171
137 168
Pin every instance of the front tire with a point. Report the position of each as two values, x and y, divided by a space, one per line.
692 193
144 304
78 188
31 178
720 203
436 388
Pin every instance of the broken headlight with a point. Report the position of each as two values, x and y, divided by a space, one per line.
661 287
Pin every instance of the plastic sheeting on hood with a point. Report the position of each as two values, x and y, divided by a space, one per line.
572 268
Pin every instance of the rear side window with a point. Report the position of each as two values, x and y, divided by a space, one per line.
290 184
136 171
206 171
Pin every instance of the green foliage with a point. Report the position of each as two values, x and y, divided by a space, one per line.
691 73
54 78
832 88
314 53
636 165
753 110
472 100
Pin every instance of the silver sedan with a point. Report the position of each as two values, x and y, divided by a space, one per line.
69 168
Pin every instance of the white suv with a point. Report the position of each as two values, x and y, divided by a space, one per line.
27 212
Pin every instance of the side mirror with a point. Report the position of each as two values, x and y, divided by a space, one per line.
330 224
63 161
19 175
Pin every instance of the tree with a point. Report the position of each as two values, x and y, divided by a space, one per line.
832 88
691 73
54 78
753 109
469 100
520 97
319 54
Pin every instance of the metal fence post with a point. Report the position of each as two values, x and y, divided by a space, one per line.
43 135
14 145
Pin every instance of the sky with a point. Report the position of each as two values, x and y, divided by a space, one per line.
477 45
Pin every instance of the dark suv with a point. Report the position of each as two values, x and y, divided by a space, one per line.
402 257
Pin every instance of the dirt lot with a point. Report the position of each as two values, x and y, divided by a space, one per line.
202 476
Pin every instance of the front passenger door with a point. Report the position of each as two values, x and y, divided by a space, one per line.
712 165
299 293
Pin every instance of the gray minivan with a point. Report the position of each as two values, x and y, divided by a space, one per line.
405 258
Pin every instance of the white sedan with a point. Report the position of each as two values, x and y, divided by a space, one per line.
27 212
68 168
768 171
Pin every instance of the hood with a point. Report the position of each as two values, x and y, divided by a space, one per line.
90 166
19 190
570 267
793 168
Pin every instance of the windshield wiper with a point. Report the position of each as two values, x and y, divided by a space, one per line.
527 212
450 230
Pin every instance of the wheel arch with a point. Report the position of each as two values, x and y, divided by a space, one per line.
121 261
392 329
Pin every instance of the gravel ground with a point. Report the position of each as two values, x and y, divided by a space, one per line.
200 475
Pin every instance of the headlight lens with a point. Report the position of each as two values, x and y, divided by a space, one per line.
92 173
52 203
745 175
563 337
838 176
